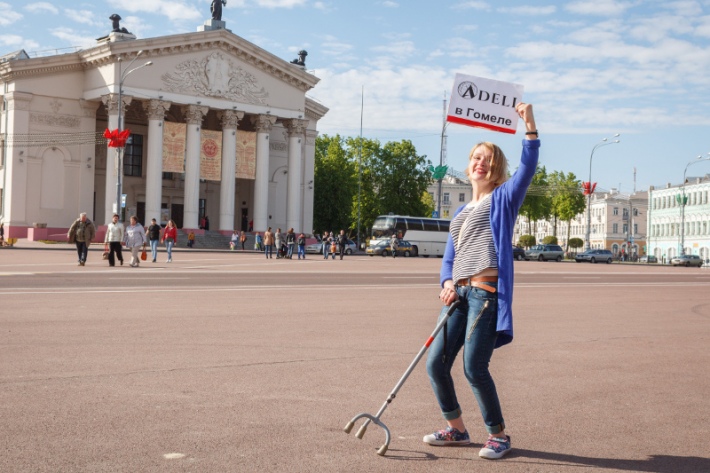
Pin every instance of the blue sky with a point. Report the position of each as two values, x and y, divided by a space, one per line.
591 68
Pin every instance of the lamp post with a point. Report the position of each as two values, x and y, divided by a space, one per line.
603 142
683 199
119 151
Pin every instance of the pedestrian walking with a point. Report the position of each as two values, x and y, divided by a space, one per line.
135 240
342 243
81 232
269 243
170 239
477 270
114 239
243 238
153 234
301 246
290 242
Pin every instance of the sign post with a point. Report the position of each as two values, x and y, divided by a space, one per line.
485 103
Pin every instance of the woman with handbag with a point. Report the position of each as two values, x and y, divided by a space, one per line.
134 239
170 238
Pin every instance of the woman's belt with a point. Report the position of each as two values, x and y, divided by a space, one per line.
476 282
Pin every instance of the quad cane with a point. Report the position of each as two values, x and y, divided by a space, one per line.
376 418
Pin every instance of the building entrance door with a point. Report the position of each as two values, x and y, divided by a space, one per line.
176 211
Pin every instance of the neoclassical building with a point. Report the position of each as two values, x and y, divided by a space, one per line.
218 127
674 228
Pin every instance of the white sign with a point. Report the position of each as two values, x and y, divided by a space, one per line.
485 103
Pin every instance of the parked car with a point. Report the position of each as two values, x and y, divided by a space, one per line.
648 259
593 256
687 260
545 253
518 253
317 248
382 247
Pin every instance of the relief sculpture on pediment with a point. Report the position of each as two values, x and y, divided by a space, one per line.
215 76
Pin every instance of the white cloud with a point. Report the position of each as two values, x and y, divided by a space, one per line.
475 5
395 52
689 8
41 7
703 28
280 3
85 17
390 4
18 42
529 10
8 15
598 7
394 99
73 38
173 10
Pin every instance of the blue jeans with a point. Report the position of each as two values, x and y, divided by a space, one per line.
473 328
269 251
154 249
326 249
82 250
290 250
169 246
301 251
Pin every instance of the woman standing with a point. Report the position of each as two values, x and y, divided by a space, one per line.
170 239
242 238
154 237
277 236
134 238
478 271
291 242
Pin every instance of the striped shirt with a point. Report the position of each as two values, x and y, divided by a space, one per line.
473 240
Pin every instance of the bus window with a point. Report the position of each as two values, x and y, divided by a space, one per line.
431 226
414 224
444 226
400 227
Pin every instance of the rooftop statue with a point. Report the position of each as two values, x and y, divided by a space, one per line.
301 61
216 9
115 18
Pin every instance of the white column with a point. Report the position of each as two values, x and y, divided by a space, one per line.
111 103
296 129
155 109
230 119
263 124
17 122
193 116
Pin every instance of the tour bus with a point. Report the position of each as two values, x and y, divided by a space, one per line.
427 235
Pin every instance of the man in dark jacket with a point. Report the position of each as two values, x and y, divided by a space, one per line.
342 243
81 232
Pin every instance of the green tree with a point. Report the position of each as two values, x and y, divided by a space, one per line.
334 186
526 241
537 204
549 240
575 243
567 199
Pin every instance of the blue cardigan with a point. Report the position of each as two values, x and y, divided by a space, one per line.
505 204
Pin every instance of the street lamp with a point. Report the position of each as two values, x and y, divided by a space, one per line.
603 142
119 150
682 201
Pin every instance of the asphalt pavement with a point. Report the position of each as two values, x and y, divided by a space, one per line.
226 361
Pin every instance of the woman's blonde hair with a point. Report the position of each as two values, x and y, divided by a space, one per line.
498 170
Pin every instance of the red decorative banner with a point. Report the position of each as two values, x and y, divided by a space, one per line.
174 135
117 139
211 155
589 187
246 155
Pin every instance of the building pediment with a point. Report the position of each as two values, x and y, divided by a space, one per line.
215 75
232 48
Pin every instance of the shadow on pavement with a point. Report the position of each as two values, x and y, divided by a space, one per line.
653 464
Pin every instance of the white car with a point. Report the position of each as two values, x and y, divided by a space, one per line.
317 248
